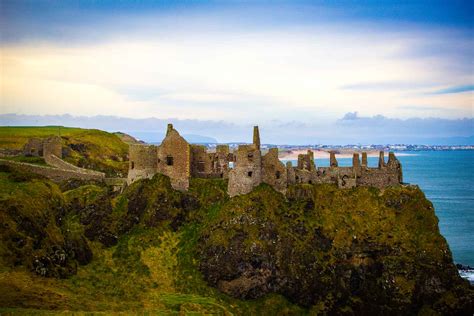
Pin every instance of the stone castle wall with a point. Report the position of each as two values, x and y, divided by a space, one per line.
53 146
142 162
174 159
54 174
179 160
247 171
274 171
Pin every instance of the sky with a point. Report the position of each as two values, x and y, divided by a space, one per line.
305 71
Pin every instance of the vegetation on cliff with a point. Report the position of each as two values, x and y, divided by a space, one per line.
86 148
152 248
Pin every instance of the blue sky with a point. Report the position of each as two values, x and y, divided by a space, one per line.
303 64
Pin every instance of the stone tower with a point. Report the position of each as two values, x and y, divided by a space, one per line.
247 171
256 137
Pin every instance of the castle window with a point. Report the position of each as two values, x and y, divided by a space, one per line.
200 166
132 165
310 182
249 173
169 160
277 174
250 156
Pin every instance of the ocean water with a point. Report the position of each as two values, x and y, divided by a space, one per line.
447 179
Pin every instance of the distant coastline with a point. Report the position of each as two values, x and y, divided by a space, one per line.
292 154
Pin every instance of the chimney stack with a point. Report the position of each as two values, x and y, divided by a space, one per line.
256 137
381 159
364 159
169 129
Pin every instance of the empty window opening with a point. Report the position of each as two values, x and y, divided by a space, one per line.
250 156
132 165
249 173
310 182
277 174
169 160
201 166
222 175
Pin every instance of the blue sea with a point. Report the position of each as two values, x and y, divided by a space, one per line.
447 178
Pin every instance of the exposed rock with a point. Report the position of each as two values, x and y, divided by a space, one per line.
365 251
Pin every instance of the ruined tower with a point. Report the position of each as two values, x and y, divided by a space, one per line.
247 171
332 159
256 137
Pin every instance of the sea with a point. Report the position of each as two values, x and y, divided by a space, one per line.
447 179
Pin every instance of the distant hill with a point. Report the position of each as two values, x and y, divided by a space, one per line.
127 138
199 139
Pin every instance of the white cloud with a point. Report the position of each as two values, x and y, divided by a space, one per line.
291 74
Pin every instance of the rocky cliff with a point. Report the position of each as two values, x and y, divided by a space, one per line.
321 250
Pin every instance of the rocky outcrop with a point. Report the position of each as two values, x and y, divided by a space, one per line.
361 251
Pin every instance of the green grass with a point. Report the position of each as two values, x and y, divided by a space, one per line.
33 160
154 266
88 148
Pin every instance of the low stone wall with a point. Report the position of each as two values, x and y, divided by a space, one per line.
55 174
57 162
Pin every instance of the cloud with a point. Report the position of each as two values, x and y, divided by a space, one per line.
305 63
389 130
351 129
456 89
349 116
387 85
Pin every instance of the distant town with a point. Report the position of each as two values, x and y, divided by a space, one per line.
378 147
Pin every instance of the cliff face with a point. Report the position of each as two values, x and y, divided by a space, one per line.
83 247
336 251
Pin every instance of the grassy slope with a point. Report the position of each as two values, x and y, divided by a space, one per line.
87 148
154 267
151 269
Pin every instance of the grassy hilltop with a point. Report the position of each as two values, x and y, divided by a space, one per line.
322 250
87 148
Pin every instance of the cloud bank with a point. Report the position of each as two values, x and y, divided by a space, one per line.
350 129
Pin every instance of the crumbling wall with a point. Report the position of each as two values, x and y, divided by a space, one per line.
174 159
34 147
306 161
201 162
290 172
142 162
55 174
274 171
52 146
222 157
247 171
383 176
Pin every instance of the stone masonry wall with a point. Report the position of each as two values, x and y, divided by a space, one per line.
274 171
247 171
34 147
174 159
54 174
179 160
53 146
142 162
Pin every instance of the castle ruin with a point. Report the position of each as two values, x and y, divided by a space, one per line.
180 161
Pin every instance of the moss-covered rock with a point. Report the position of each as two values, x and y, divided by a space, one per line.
320 250
339 251
32 212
